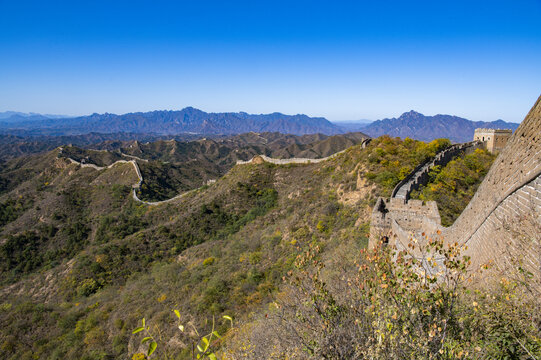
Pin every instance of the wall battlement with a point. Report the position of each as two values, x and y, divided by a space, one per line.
502 223
410 216
419 176
493 139
399 214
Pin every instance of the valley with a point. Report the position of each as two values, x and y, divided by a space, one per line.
270 180
94 239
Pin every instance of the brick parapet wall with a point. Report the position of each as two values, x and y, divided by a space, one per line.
516 166
420 175
509 237
502 223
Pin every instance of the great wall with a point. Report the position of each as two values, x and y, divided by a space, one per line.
399 214
255 159
264 158
501 225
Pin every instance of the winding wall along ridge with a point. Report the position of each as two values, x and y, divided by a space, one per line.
501 224
419 176
137 186
297 160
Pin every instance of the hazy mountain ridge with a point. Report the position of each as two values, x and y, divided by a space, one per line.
418 126
194 122
187 120
15 116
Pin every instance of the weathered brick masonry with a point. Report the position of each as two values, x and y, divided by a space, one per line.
401 216
503 220
501 224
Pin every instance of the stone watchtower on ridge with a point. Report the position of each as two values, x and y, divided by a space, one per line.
493 139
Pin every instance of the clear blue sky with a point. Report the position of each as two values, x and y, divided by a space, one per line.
339 59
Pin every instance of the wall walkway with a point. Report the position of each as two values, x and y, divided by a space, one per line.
502 223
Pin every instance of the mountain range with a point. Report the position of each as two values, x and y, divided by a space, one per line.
83 261
15 116
196 122
426 128
187 120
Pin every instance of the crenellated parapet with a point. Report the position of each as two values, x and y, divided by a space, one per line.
403 217
501 226
394 217
420 175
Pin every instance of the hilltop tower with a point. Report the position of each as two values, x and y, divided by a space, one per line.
493 139
500 228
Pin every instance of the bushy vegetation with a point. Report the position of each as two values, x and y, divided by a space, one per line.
222 249
391 159
409 304
163 181
201 344
12 209
453 185
247 226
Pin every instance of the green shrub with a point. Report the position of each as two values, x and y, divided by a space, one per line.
209 261
454 185
87 287
407 304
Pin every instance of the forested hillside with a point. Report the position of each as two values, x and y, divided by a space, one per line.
172 167
454 185
83 263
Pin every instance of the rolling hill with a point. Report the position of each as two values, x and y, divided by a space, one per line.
83 261
170 167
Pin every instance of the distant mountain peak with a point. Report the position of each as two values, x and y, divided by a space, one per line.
186 121
411 114
418 126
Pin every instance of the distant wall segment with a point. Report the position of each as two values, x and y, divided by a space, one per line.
264 158
419 176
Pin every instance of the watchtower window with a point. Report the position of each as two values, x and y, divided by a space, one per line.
385 240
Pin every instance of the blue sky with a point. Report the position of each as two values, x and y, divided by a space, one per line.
344 60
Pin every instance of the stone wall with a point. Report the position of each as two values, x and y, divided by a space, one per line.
500 226
296 160
419 176
507 203
404 218
509 236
